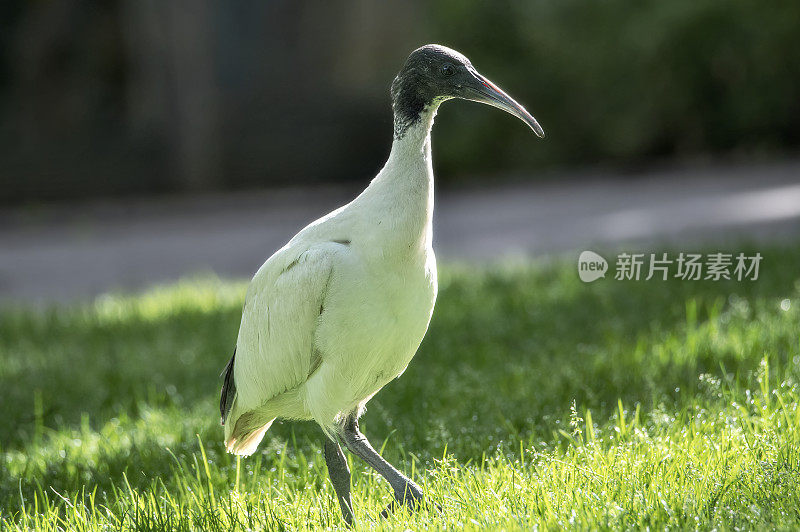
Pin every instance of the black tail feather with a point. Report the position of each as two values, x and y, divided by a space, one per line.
228 390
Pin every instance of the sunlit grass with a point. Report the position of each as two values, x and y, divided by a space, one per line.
534 400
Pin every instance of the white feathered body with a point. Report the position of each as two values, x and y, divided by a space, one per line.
341 309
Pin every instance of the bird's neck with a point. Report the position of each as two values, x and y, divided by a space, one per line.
401 195
412 142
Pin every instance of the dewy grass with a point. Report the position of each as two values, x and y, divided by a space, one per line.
535 400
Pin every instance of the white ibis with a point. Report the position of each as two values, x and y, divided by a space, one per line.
339 311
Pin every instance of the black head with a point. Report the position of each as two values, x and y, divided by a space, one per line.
434 73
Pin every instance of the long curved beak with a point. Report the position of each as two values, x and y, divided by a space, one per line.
484 91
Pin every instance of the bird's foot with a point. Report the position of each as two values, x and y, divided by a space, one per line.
412 498
347 515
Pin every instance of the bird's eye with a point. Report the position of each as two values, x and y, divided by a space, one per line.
448 70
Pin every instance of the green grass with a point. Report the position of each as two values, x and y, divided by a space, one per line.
535 399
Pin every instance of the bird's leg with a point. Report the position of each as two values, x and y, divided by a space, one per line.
406 491
340 477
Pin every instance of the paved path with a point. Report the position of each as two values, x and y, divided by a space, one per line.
76 252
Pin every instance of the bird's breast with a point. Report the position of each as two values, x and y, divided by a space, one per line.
375 317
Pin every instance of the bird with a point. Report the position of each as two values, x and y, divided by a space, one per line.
339 311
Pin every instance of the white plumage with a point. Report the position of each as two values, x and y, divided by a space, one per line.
340 310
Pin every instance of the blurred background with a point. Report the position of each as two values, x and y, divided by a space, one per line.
144 140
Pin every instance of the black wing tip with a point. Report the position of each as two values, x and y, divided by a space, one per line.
228 390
